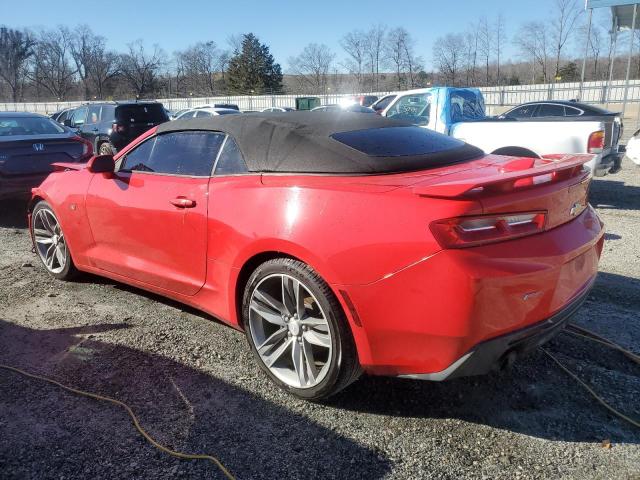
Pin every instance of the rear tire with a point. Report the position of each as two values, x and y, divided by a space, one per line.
50 243
297 330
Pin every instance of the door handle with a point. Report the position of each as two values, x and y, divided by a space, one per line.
182 202
95 129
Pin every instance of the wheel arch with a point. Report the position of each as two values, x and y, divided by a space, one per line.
514 151
252 262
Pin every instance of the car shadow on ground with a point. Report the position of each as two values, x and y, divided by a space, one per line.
13 213
607 193
535 397
186 409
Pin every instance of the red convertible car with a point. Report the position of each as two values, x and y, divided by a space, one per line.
339 243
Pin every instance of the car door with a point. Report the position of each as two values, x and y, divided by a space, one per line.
78 118
89 128
149 218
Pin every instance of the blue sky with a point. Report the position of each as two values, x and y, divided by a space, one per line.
286 26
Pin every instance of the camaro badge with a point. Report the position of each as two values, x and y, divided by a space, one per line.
575 208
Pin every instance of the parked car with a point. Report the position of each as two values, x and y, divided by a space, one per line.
633 148
386 248
112 125
177 113
354 107
365 100
278 110
29 145
383 103
460 112
554 108
231 106
62 115
202 112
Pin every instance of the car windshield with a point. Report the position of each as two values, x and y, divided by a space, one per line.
14 126
143 113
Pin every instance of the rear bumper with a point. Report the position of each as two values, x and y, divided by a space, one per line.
498 352
610 163
430 318
19 186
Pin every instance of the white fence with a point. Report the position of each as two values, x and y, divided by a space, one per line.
592 92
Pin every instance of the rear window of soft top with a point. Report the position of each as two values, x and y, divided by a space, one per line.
141 113
397 141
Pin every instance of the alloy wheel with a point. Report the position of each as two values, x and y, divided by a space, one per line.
49 240
290 331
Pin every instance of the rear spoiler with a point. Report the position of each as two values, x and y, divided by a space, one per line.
66 166
505 177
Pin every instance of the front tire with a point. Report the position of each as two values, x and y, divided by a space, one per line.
297 330
50 242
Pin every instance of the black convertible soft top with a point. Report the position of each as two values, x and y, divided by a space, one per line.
335 143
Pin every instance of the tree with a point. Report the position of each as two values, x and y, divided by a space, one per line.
16 48
312 66
500 38
471 39
94 65
395 52
562 26
533 42
485 44
253 69
447 53
54 68
375 52
200 64
355 45
140 69
569 72
104 67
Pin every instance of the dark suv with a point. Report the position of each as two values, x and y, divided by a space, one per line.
111 126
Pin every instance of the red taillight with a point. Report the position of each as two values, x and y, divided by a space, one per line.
465 232
116 127
87 148
596 142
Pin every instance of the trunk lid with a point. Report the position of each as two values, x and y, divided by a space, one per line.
555 184
29 155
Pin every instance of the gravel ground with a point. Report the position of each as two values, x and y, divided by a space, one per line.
196 387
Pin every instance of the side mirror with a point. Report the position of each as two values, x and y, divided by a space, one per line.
67 122
101 164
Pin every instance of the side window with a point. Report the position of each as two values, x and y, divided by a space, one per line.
521 112
178 153
384 103
138 159
79 116
571 112
550 110
93 115
412 108
108 113
231 160
63 116
202 113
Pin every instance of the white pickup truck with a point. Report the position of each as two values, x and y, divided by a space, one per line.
460 112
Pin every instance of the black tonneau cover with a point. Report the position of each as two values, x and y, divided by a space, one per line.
307 142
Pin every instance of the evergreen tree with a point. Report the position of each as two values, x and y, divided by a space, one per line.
253 68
